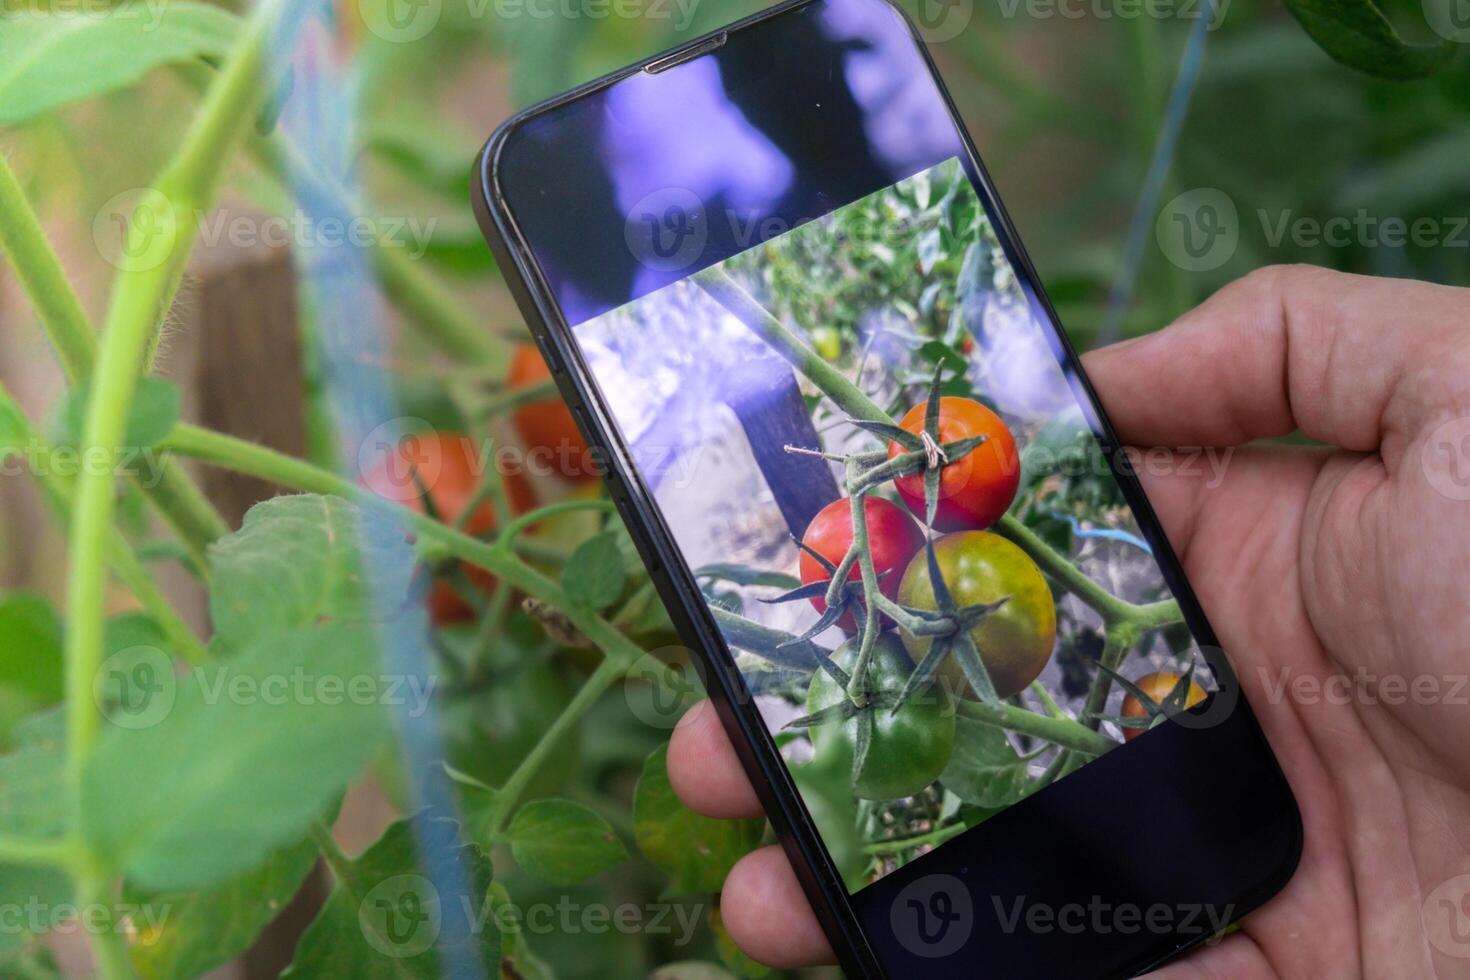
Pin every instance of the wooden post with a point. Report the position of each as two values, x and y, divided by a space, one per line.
774 416
241 361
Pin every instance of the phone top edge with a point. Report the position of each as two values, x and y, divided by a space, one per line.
488 165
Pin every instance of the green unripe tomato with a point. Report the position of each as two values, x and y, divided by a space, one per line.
1016 640
909 748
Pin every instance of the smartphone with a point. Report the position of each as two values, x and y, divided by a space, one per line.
983 709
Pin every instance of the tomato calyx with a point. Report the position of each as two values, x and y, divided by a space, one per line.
923 452
1145 706
842 593
958 640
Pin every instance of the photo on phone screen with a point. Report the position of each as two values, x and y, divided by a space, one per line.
888 351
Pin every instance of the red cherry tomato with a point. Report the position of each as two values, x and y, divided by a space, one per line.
976 489
448 467
546 427
892 535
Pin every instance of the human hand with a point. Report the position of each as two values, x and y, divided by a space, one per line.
1335 579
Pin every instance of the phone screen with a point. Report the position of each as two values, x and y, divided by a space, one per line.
793 290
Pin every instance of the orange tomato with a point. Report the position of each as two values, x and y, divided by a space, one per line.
447 467
976 489
1158 687
547 428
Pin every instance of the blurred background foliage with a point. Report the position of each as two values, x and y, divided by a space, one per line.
1066 103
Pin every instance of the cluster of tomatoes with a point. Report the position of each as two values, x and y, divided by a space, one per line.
442 473
978 566
908 748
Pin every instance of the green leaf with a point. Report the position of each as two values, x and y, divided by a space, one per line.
984 769
695 851
156 410
385 918
30 647
185 934
246 756
33 803
563 842
302 560
49 61
1359 34
594 575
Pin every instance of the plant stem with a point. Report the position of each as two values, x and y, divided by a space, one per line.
40 272
16 431
134 313
1066 574
506 538
935 837
763 641
1047 701
94 893
38 853
612 669
1060 731
240 456
70 331
733 297
1117 640
331 852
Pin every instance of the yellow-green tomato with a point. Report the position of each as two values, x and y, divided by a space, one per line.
909 747
1016 640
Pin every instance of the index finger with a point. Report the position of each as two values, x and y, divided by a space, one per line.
1349 360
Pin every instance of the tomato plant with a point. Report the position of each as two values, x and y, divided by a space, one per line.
125 779
974 491
907 745
441 473
893 540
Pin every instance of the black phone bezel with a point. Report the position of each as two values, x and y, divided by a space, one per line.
674 581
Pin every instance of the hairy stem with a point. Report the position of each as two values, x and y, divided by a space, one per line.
70 331
135 310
